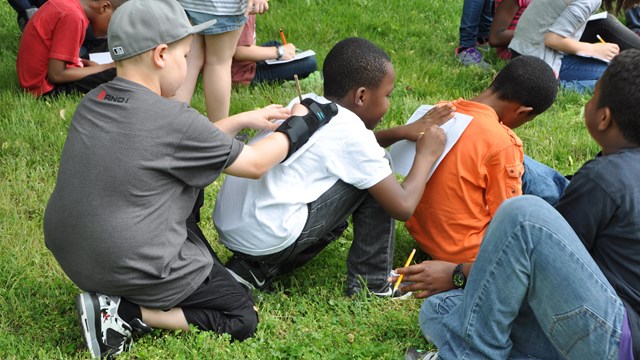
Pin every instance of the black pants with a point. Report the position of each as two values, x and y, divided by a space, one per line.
220 303
85 84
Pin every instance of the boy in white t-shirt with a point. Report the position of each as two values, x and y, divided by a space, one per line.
278 223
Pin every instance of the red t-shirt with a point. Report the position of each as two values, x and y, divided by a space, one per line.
242 72
56 31
483 169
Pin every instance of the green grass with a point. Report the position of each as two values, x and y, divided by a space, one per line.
308 316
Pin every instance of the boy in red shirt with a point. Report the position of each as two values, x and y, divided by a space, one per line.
48 61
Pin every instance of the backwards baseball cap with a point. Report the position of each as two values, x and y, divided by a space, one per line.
141 25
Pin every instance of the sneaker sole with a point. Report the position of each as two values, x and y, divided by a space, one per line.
87 316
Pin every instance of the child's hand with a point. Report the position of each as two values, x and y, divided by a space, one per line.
256 7
261 118
605 51
431 142
289 51
299 109
427 278
438 115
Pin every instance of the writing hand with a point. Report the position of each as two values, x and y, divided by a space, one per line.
437 115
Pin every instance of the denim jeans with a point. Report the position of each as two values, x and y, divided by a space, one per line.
534 291
285 71
632 18
475 21
542 181
579 73
371 254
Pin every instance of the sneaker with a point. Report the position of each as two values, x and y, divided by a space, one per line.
482 43
388 292
471 57
105 333
417 354
250 276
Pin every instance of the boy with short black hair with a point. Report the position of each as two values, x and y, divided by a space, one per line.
121 219
484 168
48 60
561 283
283 220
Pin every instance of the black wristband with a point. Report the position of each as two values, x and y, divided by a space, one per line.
300 128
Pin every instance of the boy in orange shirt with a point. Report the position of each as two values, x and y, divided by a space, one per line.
482 170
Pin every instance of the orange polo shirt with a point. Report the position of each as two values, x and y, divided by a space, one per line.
483 169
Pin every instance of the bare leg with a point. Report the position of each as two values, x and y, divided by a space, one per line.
195 61
170 320
216 76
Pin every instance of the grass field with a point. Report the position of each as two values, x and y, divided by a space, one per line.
307 317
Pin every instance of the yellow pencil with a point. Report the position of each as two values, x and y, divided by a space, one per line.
395 287
600 38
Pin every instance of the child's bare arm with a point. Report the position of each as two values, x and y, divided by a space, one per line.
255 119
58 73
499 33
436 116
400 200
605 51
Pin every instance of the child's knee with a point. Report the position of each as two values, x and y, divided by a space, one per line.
246 324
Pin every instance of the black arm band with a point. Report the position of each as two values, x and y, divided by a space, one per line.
300 128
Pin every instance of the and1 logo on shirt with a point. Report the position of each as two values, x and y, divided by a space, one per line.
116 99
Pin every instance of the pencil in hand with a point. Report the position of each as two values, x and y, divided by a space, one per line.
397 285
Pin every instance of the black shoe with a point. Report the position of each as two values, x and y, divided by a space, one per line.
250 276
417 354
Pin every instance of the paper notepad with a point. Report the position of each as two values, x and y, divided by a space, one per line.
298 56
403 152
101 57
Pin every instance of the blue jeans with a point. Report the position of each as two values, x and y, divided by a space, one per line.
579 73
632 17
475 21
534 291
283 72
542 181
371 253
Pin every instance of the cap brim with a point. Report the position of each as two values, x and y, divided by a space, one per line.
203 26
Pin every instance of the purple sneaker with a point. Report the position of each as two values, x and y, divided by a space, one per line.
471 57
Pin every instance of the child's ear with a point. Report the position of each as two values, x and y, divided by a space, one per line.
523 111
159 54
105 6
359 96
605 120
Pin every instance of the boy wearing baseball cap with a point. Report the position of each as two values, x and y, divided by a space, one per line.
122 219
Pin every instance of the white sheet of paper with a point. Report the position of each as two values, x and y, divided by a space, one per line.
600 15
101 57
403 152
298 56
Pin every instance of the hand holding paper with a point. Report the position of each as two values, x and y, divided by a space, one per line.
403 152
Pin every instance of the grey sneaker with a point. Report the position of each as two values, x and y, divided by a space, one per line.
417 354
105 333
471 57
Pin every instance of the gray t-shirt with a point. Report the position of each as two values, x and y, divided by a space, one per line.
130 171
566 18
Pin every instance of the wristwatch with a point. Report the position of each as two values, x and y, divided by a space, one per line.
459 280
280 51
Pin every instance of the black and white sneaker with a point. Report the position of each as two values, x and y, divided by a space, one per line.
105 333
250 276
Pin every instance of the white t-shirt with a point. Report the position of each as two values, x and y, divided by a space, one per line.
264 216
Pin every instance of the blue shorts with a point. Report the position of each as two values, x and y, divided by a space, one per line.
225 23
